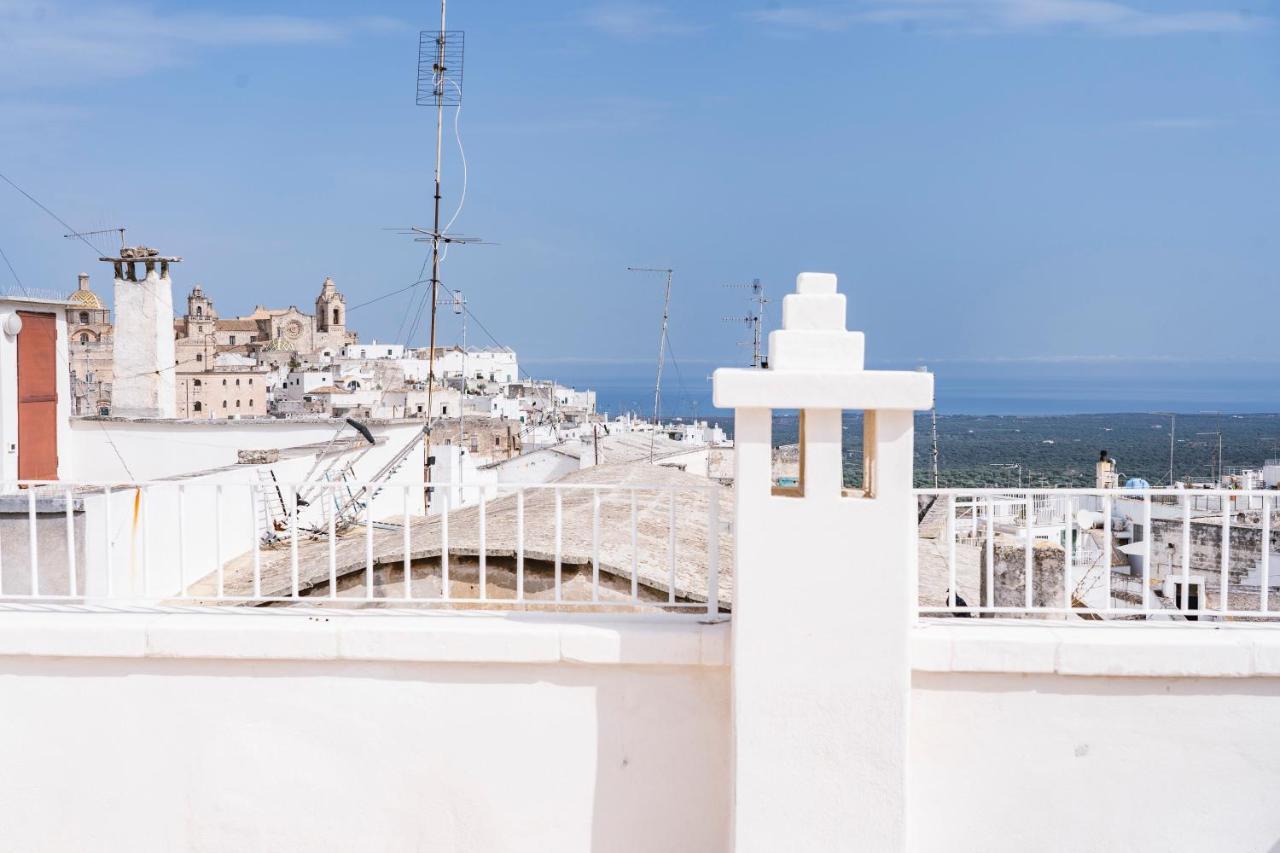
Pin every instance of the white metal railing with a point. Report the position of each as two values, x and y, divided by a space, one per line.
183 543
1099 554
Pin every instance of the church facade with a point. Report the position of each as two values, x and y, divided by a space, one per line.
271 336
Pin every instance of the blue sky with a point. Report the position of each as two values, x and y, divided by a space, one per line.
1008 183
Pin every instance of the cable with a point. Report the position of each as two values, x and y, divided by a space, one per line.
679 375
386 295
14 272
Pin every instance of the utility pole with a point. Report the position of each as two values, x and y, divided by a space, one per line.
662 349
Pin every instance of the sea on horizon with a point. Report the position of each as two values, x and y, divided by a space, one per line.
993 390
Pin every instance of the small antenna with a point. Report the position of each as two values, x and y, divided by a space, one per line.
81 235
754 319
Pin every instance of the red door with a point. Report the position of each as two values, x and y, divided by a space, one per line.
37 397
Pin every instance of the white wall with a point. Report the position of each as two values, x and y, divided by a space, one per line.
132 451
9 388
1145 737
280 733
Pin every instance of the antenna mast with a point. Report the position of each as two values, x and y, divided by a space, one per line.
662 348
755 320
439 68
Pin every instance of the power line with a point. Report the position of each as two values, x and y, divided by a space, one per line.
14 273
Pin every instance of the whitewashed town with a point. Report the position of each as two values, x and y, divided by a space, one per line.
268 584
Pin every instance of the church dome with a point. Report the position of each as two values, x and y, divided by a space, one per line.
83 297
86 299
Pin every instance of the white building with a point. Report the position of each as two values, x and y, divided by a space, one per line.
373 349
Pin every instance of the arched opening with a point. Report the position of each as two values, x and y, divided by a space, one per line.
197 407
337 317
199 310
84 339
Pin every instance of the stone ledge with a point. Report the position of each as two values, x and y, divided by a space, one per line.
431 637
1127 651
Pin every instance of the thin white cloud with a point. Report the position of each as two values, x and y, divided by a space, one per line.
51 44
996 17
637 21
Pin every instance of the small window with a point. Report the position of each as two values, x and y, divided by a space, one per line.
250 380
199 356
199 310
237 380
224 404
197 384
237 404
233 340
84 318
336 317
197 406
224 382
251 404
84 339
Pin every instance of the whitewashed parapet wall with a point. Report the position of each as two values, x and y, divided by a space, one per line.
821 685
143 347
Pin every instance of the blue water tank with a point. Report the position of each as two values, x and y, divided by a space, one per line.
1136 483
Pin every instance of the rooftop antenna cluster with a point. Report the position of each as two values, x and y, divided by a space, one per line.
755 320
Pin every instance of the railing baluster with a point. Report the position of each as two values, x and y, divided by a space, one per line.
1068 561
182 541
635 549
951 550
1106 552
991 551
254 500
559 512
1149 538
145 532
444 545
484 541
671 548
33 550
408 571
71 546
368 548
1029 556
294 573
1184 603
519 544
595 544
217 539
1266 554
1224 581
331 511
106 537
713 551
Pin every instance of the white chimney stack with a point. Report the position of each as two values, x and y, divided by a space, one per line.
143 347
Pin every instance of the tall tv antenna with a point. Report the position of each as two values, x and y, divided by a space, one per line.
662 348
439 85
755 320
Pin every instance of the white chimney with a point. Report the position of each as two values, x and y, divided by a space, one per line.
142 343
